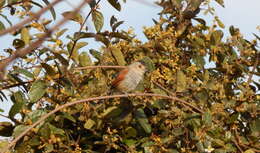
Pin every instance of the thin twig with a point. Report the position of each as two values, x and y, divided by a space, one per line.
185 104
100 66
15 85
30 48
81 28
13 142
236 141
34 16
4 116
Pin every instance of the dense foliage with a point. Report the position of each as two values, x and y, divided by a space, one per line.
186 58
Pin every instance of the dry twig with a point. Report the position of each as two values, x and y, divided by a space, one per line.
22 52
34 16
13 142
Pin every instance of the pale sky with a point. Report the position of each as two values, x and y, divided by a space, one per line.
240 13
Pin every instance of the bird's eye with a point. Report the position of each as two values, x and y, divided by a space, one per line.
140 66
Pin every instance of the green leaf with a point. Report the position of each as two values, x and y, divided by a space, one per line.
89 124
68 116
255 127
10 2
102 39
200 146
7 19
18 43
48 148
95 53
61 32
249 151
199 61
116 25
181 81
148 63
37 90
2 3
84 59
207 118
54 130
130 132
35 141
6 129
130 142
72 16
78 46
80 35
61 59
25 35
142 120
220 2
115 4
220 24
3 143
49 70
202 96
92 4
51 9
34 115
24 72
201 21
19 102
257 37
111 112
2 97
216 37
113 20
120 35
118 55
98 20
19 129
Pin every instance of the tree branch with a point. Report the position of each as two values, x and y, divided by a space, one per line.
22 52
5 116
44 117
16 84
81 27
34 16
185 104
100 66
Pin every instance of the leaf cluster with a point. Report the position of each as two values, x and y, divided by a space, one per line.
185 57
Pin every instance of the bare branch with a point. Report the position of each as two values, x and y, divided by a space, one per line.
34 16
15 85
22 52
185 104
100 66
44 117
80 29
4 116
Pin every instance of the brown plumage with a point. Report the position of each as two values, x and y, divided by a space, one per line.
128 79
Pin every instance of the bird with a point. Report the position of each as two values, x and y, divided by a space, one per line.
128 78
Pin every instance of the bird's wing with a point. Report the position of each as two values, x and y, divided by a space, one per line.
119 78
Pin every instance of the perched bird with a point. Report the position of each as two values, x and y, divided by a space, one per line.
128 79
